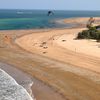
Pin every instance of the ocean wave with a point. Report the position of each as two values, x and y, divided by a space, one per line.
21 12
10 89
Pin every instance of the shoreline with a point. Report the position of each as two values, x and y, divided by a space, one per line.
76 21
36 87
21 78
63 21
45 68
9 88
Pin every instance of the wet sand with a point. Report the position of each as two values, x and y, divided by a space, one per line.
37 89
44 92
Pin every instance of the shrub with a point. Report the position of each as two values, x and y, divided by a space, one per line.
90 33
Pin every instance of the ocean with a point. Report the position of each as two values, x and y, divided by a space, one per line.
37 19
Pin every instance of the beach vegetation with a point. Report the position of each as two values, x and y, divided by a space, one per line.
90 33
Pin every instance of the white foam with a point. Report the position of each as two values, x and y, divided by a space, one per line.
10 89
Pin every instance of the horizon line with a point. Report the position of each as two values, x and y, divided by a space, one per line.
47 9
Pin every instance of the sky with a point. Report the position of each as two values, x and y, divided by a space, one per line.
51 4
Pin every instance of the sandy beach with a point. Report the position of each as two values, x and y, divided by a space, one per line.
64 68
38 88
58 42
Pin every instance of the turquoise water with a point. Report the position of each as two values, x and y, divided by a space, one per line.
30 19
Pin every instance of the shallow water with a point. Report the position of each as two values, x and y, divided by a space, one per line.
28 19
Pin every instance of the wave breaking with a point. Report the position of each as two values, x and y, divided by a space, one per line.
10 89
